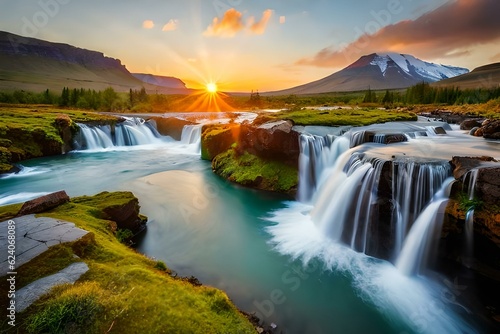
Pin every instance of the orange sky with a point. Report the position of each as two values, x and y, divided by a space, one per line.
262 45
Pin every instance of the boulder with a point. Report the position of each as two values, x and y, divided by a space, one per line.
171 126
44 203
274 140
468 124
492 129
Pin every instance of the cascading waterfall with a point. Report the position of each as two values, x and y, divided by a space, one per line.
131 132
413 186
471 176
191 135
317 153
391 208
425 232
345 207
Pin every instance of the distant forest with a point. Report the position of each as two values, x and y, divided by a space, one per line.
139 100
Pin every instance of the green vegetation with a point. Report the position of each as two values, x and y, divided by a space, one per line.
74 309
249 170
466 204
337 117
123 292
38 130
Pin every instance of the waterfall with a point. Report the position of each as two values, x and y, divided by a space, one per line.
131 132
471 176
191 135
345 206
413 186
317 154
423 234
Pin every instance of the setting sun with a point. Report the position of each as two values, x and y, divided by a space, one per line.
211 87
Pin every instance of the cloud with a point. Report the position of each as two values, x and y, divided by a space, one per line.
171 25
259 28
282 19
495 58
148 24
446 32
232 23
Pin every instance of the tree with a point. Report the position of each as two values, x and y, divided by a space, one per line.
64 102
109 96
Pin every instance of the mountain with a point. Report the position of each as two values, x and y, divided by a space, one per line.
162 81
486 76
378 71
35 65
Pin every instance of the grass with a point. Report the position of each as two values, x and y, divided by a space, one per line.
339 117
249 170
36 130
123 292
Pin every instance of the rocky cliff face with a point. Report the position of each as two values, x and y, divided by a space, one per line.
18 46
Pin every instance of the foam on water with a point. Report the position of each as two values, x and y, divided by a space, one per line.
415 300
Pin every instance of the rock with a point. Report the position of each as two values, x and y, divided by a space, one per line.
64 124
473 130
35 235
479 132
171 126
488 185
469 124
218 138
272 140
120 207
461 165
492 130
33 291
44 203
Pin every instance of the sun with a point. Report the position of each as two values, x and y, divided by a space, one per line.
211 87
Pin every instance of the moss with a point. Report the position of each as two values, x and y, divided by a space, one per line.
123 291
29 133
217 138
249 170
9 211
105 200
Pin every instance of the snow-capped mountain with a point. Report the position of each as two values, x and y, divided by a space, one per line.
378 71
428 72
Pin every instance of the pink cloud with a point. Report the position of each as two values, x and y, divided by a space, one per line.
148 24
232 23
448 31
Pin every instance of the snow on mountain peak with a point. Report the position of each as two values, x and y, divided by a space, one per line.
415 67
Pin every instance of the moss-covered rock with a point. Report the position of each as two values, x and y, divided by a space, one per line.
31 133
252 171
121 207
218 138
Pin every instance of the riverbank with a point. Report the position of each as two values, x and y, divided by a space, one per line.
123 291
33 131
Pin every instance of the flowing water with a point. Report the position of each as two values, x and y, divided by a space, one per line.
300 264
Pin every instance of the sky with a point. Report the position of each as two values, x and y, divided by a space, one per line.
263 45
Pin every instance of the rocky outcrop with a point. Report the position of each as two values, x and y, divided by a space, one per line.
33 291
272 140
489 129
44 203
485 201
217 139
120 207
171 126
461 165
